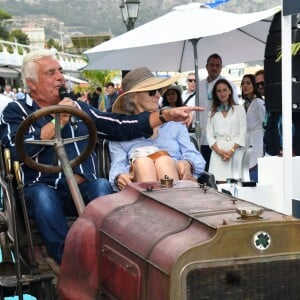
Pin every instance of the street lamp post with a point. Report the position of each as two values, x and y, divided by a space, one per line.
130 11
61 34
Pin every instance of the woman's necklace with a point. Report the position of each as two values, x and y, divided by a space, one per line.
247 102
224 108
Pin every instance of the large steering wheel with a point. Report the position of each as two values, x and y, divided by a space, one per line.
57 142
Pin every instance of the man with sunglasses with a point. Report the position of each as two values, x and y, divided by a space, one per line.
188 95
260 81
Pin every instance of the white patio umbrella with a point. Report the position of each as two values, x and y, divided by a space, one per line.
182 40
164 44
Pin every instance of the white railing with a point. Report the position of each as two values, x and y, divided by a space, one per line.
12 54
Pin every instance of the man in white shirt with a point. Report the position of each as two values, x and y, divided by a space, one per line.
4 100
214 68
8 92
188 95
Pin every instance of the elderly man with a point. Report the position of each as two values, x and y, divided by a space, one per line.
47 195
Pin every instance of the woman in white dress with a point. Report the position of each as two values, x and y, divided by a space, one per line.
226 130
256 111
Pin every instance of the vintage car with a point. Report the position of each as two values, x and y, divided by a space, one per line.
155 240
182 241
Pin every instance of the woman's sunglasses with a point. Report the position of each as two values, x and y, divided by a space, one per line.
153 92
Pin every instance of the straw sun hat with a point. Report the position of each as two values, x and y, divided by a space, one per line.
140 80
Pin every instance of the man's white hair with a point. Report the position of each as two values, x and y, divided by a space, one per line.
29 68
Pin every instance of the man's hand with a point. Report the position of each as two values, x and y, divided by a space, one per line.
64 118
182 113
178 114
48 132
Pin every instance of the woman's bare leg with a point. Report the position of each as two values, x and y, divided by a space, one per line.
144 170
165 165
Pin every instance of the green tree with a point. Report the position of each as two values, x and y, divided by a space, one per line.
4 34
20 36
99 78
4 16
51 43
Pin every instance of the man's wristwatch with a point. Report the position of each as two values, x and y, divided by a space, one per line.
161 116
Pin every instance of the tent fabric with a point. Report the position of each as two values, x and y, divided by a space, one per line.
164 44
8 72
74 79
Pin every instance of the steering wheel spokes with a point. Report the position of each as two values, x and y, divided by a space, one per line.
57 142
52 142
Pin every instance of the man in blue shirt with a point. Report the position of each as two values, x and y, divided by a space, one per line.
111 96
47 195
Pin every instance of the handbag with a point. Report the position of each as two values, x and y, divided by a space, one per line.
142 152
151 151
154 156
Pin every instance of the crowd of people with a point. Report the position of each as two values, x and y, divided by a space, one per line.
12 93
229 122
100 98
47 195
148 125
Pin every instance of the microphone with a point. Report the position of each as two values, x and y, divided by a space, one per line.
63 93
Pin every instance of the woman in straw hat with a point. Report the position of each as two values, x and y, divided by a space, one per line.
168 151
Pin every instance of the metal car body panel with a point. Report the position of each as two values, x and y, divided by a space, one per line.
181 242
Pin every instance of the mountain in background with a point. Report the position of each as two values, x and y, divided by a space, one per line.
101 16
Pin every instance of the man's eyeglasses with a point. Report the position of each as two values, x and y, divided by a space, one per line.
191 80
153 92
261 83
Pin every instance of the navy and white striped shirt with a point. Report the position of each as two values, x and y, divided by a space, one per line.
109 126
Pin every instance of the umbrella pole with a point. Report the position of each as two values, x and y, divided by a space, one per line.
197 122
